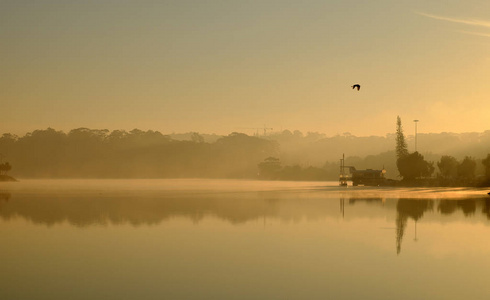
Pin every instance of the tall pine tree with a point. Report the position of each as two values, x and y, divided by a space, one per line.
401 144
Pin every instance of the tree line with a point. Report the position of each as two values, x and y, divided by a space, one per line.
413 167
93 153
272 169
313 148
100 153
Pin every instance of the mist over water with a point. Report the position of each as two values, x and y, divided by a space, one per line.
99 153
240 239
217 135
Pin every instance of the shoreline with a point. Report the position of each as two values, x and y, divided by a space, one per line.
6 178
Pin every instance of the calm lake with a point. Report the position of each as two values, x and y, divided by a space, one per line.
232 239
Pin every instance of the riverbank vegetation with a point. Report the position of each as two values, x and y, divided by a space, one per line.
284 155
416 171
4 168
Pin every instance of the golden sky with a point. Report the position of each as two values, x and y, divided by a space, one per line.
219 66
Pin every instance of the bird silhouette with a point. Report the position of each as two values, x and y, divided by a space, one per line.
356 86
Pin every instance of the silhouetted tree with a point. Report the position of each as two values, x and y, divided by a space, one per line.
401 144
412 166
298 134
486 164
197 138
466 169
4 168
448 166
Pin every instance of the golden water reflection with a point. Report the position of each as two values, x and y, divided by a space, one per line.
150 208
312 242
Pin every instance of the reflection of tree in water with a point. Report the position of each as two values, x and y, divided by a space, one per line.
135 209
467 206
367 200
415 209
447 207
4 197
486 207
409 208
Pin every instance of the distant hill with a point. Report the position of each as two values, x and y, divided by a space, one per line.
95 153
208 138
315 148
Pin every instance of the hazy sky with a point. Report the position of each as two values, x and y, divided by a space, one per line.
219 66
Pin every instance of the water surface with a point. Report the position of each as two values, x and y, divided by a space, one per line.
213 239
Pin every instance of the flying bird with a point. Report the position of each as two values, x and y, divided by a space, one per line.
356 86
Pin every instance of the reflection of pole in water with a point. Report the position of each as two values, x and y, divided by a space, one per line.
342 205
415 239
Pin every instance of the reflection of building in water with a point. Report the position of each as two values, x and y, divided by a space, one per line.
342 206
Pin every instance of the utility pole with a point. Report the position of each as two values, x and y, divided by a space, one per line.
415 121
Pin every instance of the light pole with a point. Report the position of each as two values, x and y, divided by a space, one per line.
415 121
